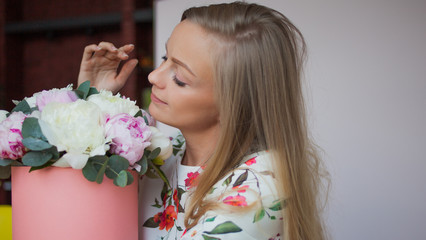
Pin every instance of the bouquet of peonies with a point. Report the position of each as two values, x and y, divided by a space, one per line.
98 132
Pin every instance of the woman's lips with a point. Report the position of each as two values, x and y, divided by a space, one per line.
156 99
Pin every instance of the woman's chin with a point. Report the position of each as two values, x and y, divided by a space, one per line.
159 115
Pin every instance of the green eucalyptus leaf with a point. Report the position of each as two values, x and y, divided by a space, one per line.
49 163
154 153
144 165
121 179
89 171
115 165
92 91
54 151
139 114
226 227
101 172
31 128
36 159
4 172
130 178
22 106
79 93
5 162
84 88
35 144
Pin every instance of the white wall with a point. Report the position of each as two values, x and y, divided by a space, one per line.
366 88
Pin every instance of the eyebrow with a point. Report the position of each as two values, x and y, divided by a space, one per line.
180 63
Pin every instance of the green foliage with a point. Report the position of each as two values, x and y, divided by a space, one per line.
114 167
31 128
36 159
42 153
35 144
139 114
84 90
5 162
22 106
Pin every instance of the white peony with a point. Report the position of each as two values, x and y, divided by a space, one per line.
113 104
76 128
158 139
3 114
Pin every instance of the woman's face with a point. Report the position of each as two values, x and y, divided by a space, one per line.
183 87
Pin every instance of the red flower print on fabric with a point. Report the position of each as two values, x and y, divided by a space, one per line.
239 201
251 161
175 198
191 179
166 218
240 189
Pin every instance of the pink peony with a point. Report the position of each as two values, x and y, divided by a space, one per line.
11 146
55 95
130 136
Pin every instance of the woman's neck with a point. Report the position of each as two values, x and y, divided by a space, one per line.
199 146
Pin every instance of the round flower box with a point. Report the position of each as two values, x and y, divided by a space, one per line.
59 203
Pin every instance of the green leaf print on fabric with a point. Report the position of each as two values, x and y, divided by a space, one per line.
241 179
205 237
228 180
259 215
277 205
151 223
211 219
157 204
226 227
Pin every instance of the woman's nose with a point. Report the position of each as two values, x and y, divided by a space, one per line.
156 77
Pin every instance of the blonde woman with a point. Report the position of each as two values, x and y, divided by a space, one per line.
244 167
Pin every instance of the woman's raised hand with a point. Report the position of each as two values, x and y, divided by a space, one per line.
99 66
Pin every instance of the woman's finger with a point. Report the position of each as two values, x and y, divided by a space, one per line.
106 48
126 70
89 51
128 48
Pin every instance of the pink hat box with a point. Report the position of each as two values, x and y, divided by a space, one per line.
60 203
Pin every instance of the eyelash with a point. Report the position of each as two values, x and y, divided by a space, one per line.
175 79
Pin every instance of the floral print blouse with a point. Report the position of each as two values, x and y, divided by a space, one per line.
250 188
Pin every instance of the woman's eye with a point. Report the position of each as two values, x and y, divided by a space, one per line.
164 58
178 82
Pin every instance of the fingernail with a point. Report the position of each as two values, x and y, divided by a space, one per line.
114 49
98 48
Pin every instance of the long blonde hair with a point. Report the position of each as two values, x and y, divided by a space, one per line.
257 74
